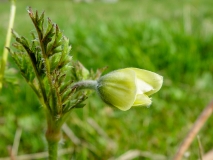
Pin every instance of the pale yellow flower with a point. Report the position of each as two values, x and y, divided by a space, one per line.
128 87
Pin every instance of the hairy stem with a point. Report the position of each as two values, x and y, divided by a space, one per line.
53 150
86 84
53 136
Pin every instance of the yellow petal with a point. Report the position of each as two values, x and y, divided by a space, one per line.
142 100
151 78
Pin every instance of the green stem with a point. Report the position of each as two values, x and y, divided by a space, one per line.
53 136
7 43
53 150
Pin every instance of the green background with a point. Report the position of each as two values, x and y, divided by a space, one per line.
171 38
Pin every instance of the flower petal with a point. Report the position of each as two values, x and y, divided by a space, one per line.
142 87
142 100
155 80
118 88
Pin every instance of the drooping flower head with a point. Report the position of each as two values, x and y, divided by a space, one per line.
128 87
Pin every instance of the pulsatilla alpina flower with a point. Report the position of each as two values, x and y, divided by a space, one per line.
128 87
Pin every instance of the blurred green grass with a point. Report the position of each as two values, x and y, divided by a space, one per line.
172 38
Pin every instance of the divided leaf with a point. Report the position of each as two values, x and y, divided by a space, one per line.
47 66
